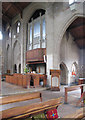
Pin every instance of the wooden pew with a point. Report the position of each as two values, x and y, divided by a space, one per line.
20 97
72 88
29 110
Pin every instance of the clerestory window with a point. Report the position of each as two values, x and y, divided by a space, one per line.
18 27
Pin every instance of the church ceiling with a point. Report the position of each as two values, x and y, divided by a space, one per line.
11 9
77 30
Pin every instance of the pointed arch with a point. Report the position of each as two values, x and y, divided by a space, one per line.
67 23
8 55
15 68
16 53
19 68
64 73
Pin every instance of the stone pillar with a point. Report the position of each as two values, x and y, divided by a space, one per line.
22 47
11 53
50 41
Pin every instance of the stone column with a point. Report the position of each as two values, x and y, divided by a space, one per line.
11 53
22 47
50 41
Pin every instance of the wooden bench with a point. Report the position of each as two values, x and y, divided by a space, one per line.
20 97
26 111
72 88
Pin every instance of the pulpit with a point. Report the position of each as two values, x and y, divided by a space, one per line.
55 73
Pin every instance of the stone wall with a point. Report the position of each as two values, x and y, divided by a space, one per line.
82 63
58 17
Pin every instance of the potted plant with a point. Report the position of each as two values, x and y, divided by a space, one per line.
26 70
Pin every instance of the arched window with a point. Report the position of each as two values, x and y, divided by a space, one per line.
36 30
18 27
15 68
9 32
19 68
1 36
72 1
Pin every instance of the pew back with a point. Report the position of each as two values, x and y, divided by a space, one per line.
20 97
29 110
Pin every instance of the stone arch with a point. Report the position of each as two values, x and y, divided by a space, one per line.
16 53
67 24
32 8
15 68
19 68
64 73
63 29
8 57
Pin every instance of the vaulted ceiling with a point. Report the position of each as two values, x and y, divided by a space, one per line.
11 9
77 30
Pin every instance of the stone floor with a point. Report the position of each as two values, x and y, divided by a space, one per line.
63 110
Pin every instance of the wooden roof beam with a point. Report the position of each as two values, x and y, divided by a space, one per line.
80 38
8 7
17 9
76 26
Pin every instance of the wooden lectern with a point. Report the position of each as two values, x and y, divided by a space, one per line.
55 73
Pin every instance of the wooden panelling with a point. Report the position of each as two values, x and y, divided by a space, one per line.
35 55
24 80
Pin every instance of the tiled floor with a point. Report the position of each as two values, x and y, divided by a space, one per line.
63 110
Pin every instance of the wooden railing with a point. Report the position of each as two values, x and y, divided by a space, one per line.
35 55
